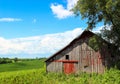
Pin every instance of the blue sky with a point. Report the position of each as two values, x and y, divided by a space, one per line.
36 17
29 28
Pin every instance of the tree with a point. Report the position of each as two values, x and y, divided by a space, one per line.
99 10
15 59
107 11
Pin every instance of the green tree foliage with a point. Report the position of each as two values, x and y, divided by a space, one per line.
5 60
107 11
96 42
99 10
15 59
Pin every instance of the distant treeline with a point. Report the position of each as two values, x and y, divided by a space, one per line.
13 60
6 60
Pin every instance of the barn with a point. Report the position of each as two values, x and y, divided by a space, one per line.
79 56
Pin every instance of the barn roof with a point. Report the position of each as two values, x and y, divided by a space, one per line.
85 33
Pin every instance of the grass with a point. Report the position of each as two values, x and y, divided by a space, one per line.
33 72
22 65
39 76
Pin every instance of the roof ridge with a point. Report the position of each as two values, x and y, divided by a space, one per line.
69 43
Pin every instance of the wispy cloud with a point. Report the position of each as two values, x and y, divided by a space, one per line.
60 11
43 45
10 19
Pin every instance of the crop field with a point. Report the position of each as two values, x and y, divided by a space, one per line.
38 75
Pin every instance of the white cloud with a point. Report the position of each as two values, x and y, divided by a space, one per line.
60 11
44 44
71 4
98 29
39 45
10 19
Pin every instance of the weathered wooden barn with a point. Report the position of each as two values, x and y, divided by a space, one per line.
79 56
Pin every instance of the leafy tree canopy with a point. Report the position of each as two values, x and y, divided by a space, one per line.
96 11
107 11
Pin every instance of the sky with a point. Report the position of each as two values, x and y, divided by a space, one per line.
37 28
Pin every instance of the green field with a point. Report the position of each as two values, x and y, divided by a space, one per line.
39 76
22 65
33 72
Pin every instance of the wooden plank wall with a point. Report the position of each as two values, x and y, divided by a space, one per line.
54 67
88 59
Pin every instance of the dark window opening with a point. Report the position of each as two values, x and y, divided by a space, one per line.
67 57
112 56
85 66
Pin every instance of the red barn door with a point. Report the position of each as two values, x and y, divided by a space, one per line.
69 68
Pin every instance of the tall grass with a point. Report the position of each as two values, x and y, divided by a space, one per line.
39 76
